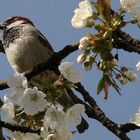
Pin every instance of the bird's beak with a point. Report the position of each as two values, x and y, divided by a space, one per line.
2 25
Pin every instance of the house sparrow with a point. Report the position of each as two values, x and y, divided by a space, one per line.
25 47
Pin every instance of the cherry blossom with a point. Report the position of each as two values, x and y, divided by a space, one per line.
68 70
81 14
33 101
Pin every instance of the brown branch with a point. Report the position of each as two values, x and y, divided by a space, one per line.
1 47
128 127
124 41
98 114
18 128
3 85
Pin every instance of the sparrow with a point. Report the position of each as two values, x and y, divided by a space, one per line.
25 47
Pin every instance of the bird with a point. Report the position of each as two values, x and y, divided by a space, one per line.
25 47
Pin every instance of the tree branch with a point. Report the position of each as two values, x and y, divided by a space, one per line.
1 47
99 114
18 128
3 85
128 127
124 41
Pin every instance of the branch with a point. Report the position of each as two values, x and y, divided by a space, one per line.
128 127
126 42
1 47
99 114
18 128
3 85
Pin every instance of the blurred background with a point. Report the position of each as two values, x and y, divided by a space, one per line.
53 19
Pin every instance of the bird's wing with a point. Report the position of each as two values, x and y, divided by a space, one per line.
45 42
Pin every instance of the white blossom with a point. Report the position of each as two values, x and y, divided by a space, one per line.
31 136
132 7
60 134
54 118
81 15
128 5
17 136
68 70
24 136
138 66
84 42
17 82
73 115
8 111
136 14
15 96
33 101
44 132
136 118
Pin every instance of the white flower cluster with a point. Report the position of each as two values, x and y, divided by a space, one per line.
83 44
86 57
136 118
56 121
30 99
23 136
132 7
82 14
55 124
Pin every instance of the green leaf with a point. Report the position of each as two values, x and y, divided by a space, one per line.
101 85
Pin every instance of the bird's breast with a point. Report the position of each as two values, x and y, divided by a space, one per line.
25 52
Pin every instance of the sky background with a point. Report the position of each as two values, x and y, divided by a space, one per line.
53 19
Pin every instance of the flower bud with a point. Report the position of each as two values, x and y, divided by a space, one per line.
87 65
82 47
81 58
84 42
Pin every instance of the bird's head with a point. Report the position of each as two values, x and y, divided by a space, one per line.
14 21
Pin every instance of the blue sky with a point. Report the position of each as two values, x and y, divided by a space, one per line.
53 19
